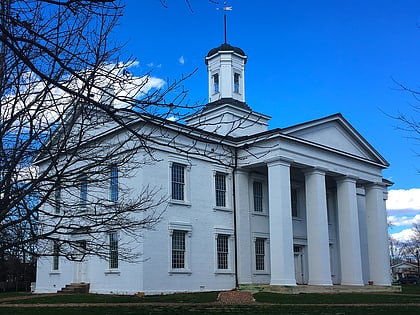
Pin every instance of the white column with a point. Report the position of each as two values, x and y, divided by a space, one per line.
281 232
317 228
243 226
377 235
348 229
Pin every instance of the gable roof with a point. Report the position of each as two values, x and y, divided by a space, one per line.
337 133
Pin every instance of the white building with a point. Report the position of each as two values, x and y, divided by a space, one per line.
300 205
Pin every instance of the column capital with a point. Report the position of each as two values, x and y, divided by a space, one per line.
376 185
346 178
241 171
315 170
280 160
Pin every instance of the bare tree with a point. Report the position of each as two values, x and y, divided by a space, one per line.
72 115
411 248
409 122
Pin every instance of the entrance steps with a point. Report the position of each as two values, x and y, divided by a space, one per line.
75 288
320 289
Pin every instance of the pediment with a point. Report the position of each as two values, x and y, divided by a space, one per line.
336 133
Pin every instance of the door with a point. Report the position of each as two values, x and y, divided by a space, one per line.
80 265
298 253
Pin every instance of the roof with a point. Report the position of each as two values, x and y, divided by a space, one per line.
224 101
226 47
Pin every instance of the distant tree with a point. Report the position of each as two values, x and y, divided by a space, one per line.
395 251
411 247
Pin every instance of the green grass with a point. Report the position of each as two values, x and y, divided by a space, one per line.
13 294
343 298
202 297
411 289
276 304
214 310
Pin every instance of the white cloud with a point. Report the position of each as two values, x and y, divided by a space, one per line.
395 220
400 199
114 79
152 65
181 60
402 236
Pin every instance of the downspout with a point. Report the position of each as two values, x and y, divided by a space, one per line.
235 234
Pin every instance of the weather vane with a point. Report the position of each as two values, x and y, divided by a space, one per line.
225 8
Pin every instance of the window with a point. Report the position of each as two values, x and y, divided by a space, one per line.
57 199
56 256
222 251
294 200
220 188
113 187
260 254
113 250
178 249
236 77
258 196
178 181
216 83
83 191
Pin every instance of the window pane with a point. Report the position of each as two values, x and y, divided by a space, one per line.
216 83
222 251
178 181
83 190
56 255
236 77
178 249
113 250
294 198
113 189
220 185
258 197
57 199
259 253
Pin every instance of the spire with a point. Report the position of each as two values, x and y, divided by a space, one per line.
225 8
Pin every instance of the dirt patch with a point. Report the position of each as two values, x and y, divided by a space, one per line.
236 297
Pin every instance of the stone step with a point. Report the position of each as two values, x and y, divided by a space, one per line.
75 288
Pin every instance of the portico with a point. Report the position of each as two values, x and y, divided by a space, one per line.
332 223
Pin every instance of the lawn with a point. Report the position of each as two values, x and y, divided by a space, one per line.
406 303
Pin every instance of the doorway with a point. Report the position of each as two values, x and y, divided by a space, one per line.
299 270
80 263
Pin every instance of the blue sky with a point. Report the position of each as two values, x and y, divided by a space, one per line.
306 59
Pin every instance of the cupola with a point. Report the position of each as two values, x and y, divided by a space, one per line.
226 67
227 113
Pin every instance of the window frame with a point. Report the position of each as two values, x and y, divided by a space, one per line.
218 171
236 83
55 263
186 229
178 181
264 186
222 251
113 183
229 255
220 189
266 256
57 199
258 199
174 160
83 189
113 253
216 83
178 249
297 206
260 252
